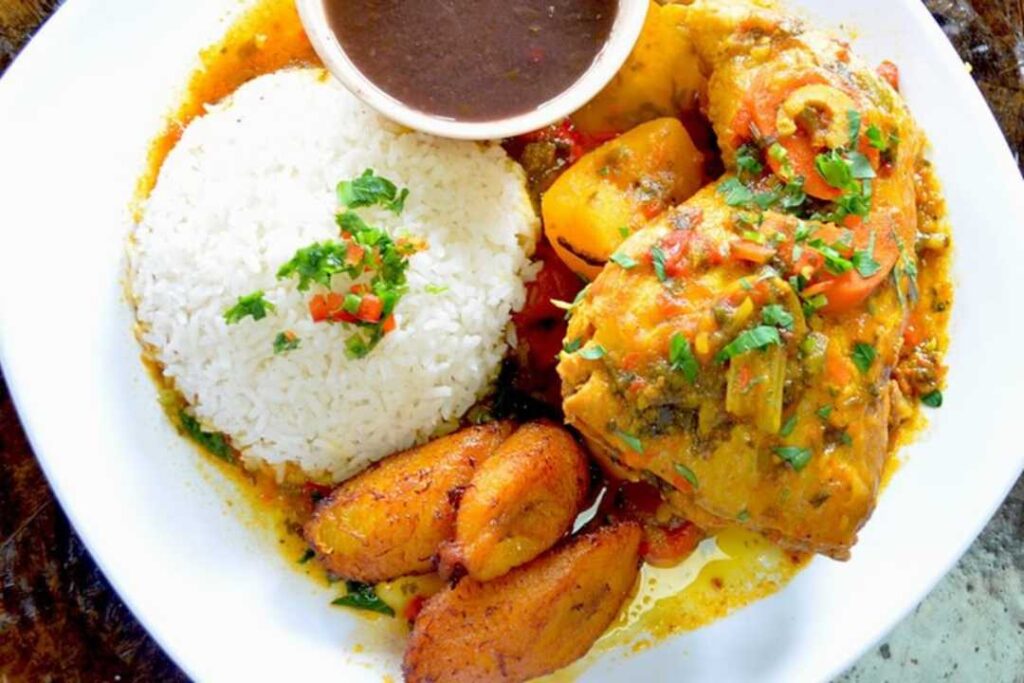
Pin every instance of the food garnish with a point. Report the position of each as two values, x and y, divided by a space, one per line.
363 596
254 305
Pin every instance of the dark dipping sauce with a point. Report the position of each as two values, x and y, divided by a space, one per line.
472 60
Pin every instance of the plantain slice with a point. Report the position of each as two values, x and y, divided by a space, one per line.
518 504
390 520
537 618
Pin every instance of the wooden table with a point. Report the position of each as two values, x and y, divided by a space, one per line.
59 618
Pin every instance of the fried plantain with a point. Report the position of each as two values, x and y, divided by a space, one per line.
534 620
519 503
390 520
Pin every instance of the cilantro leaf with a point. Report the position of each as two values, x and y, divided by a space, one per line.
681 358
748 161
286 341
736 193
254 305
788 426
797 457
876 138
933 399
863 356
860 166
363 596
318 263
370 189
214 442
595 352
573 346
833 168
864 260
760 337
777 315
853 117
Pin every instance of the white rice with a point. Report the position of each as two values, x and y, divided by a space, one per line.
252 181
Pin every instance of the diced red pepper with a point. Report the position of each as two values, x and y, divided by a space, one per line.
389 324
891 73
370 308
413 609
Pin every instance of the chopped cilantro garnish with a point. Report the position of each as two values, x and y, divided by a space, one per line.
370 189
748 161
863 356
595 352
932 399
788 426
363 596
760 337
777 315
824 412
658 260
286 341
573 346
797 457
876 138
686 473
214 442
318 263
736 193
307 556
835 262
624 231
853 117
681 358
860 166
624 260
634 443
834 169
864 260
845 438
254 305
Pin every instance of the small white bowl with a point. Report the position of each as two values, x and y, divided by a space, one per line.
625 31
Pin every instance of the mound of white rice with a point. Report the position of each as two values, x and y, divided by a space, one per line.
254 180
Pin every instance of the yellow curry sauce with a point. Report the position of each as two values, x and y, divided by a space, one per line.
730 569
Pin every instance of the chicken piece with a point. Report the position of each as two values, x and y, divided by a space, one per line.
749 335
519 503
390 520
532 621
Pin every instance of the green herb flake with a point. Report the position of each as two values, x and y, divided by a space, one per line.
634 443
687 474
853 118
845 439
833 168
573 346
595 352
307 556
777 315
743 516
254 305
735 192
363 596
860 166
369 190
760 337
933 399
864 259
624 231
681 358
624 260
658 261
824 412
435 289
748 161
876 138
286 341
863 356
789 426
318 263
214 442
835 262
796 456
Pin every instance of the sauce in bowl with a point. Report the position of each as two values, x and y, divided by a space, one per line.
472 60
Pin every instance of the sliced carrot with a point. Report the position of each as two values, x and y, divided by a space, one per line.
838 368
745 250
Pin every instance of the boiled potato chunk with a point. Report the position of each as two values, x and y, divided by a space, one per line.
390 520
662 77
532 621
618 187
519 503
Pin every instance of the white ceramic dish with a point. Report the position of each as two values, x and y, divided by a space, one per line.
76 113
625 31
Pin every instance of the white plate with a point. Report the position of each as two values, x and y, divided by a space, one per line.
76 113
